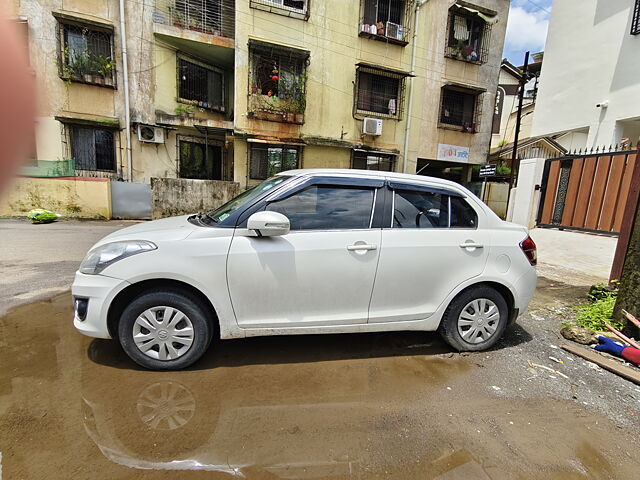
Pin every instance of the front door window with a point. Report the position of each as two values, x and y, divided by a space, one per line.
327 208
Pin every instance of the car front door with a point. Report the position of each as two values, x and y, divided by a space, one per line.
320 273
432 244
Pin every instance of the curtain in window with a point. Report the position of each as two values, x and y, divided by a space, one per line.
460 28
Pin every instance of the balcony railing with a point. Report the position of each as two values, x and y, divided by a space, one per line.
214 17
387 20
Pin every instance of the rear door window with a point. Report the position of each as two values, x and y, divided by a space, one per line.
420 210
425 209
462 214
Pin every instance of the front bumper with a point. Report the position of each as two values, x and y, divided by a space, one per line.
99 290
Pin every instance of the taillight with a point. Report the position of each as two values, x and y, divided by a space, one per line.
528 246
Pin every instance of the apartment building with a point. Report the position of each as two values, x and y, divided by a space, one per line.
590 80
237 90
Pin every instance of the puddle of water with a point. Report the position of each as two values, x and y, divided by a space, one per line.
386 406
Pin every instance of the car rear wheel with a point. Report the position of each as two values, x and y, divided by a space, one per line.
475 320
165 330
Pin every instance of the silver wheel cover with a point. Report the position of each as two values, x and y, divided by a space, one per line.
478 320
163 333
166 405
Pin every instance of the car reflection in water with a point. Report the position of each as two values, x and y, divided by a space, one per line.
286 419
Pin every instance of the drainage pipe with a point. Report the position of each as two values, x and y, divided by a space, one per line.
125 74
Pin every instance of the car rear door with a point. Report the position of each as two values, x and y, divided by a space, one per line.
319 274
433 242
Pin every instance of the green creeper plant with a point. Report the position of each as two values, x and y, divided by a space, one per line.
599 310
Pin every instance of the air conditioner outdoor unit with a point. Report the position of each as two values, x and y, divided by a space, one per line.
393 30
150 134
372 126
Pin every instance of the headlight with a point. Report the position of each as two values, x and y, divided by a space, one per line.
101 257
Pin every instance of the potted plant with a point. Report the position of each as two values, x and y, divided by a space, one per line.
78 63
105 66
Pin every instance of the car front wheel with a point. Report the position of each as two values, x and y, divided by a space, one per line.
475 320
165 330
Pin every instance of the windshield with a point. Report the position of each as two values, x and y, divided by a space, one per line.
245 198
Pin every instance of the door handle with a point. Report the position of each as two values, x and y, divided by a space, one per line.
471 245
361 246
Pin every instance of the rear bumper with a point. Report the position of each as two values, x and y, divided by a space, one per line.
99 291
524 287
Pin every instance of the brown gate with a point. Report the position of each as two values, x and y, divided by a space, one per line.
586 192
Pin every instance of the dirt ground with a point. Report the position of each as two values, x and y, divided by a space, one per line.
365 406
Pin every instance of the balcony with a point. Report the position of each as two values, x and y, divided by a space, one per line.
277 83
211 17
387 20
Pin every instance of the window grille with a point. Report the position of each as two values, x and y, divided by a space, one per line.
460 108
277 80
92 148
387 20
364 160
214 17
86 55
379 93
635 20
199 161
268 159
290 8
468 36
200 85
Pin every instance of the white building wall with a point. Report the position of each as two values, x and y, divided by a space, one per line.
508 105
590 57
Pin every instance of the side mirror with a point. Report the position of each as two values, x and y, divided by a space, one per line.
269 224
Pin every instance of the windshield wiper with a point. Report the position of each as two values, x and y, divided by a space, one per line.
203 215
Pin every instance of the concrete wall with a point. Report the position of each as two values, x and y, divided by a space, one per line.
179 196
495 196
589 57
525 198
69 196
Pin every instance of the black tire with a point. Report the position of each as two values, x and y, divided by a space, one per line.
200 316
449 324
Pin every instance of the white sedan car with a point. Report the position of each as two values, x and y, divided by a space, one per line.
306 252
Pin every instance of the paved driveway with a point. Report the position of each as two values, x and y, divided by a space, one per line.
572 257
39 261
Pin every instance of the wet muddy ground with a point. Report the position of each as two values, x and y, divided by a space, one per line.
365 406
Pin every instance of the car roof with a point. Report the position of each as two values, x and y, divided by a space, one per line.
373 174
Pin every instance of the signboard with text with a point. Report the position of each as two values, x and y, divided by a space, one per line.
488 170
453 153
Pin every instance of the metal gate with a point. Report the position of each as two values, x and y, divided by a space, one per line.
586 192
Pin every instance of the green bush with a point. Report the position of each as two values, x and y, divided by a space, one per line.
599 310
